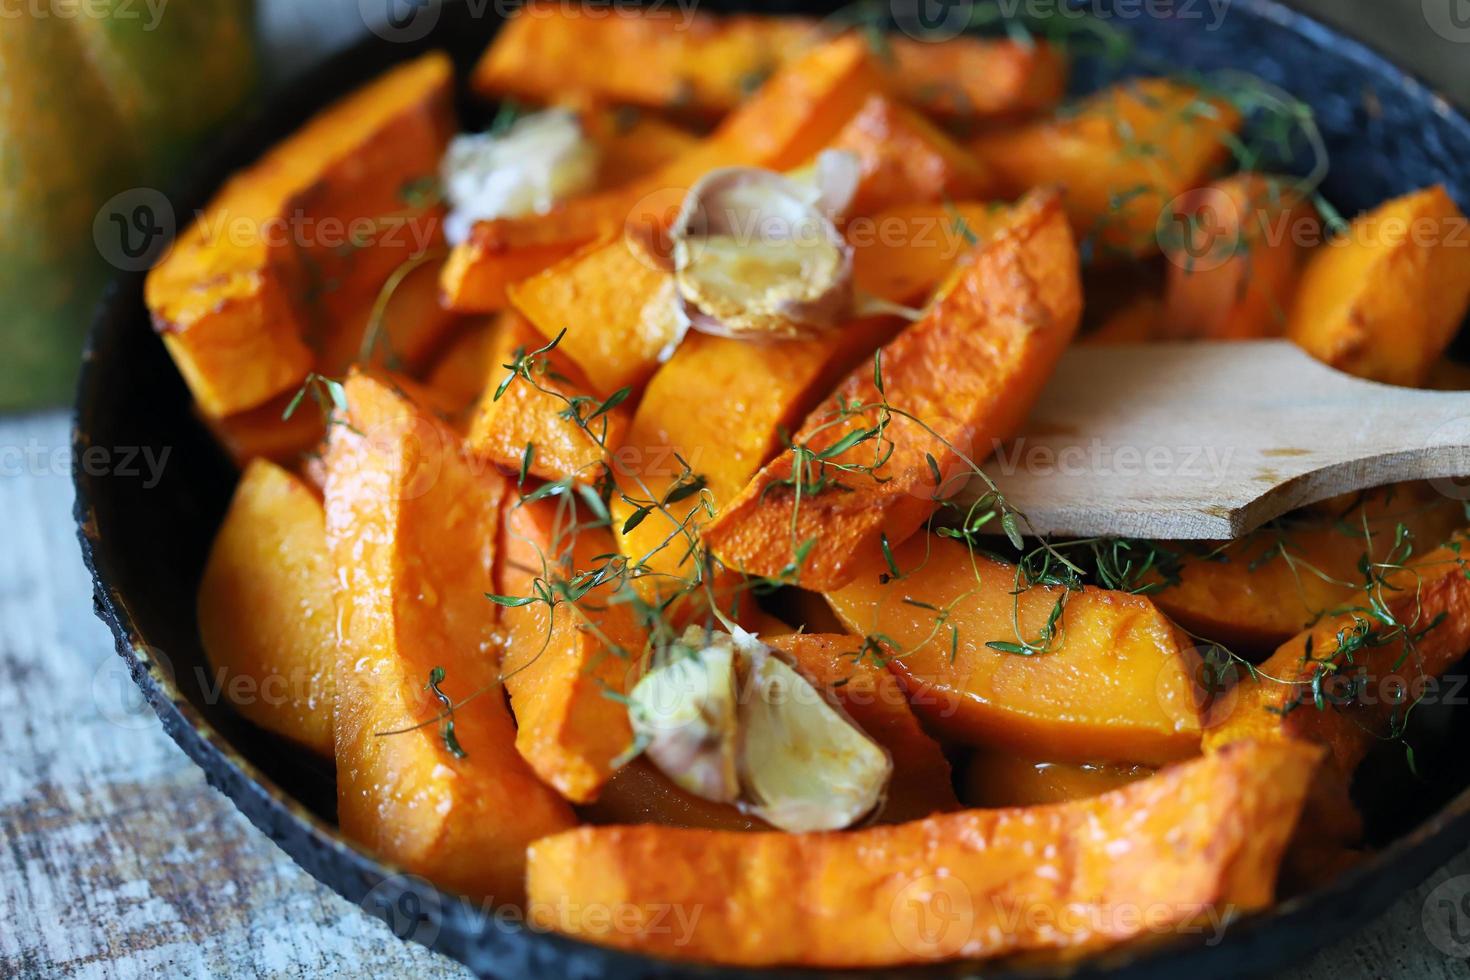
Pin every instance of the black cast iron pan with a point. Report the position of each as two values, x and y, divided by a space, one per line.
146 545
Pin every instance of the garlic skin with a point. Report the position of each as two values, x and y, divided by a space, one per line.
757 255
542 159
804 765
685 712
734 723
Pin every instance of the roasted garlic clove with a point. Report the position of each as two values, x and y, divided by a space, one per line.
804 765
757 255
728 720
684 711
541 159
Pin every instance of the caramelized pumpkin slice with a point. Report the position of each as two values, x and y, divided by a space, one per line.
922 784
904 159
1121 157
968 79
1361 667
615 311
459 375
720 405
632 144
1197 838
970 370
264 432
1258 592
797 113
266 617
565 667
903 254
412 530
709 65
233 297
528 422
1234 258
1118 684
1000 779
398 327
1383 300
1341 683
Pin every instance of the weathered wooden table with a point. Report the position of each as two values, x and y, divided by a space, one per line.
117 860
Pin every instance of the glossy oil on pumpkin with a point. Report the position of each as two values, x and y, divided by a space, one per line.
1256 593
566 668
236 296
1118 685
412 528
1206 834
970 370
266 607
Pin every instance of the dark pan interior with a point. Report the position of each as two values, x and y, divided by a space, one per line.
147 544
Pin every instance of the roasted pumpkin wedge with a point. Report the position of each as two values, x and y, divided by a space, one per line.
265 432
566 666
709 66
322 213
1118 683
969 370
1000 779
467 363
922 784
1256 593
266 615
614 310
1122 157
903 159
794 115
399 326
903 254
1383 299
764 389
631 144
523 425
412 527
1195 840
1340 682
1234 258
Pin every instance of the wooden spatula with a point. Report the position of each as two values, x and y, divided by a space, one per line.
1210 440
